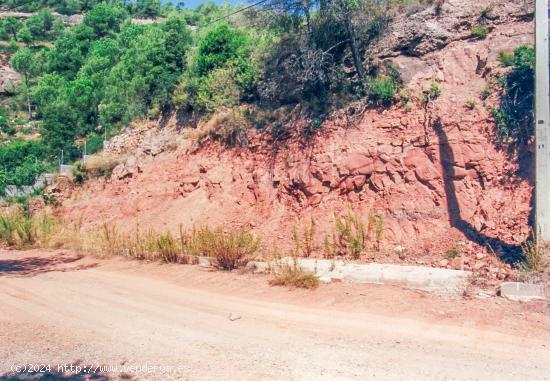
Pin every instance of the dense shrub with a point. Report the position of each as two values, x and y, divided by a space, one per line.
514 115
229 249
294 276
222 45
107 71
479 31
506 58
382 90
228 127
223 72
21 162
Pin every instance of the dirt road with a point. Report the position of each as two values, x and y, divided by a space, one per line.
151 321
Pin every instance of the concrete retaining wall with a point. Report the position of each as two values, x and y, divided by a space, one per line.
25 190
440 281
524 292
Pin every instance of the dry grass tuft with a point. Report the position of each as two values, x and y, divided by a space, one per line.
294 276
21 231
351 235
304 240
534 258
228 126
97 166
230 249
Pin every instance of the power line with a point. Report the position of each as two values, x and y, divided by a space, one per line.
234 13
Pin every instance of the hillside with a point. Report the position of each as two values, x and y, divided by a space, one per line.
428 171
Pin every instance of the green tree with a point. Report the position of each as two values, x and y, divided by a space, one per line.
21 162
105 19
3 33
25 36
70 50
12 26
41 24
68 7
178 39
147 8
221 45
23 62
143 78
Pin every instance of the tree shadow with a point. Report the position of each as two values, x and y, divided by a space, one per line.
507 252
32 266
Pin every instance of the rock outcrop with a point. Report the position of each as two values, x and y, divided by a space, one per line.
447 195
9 78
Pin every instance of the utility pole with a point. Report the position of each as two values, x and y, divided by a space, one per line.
542 124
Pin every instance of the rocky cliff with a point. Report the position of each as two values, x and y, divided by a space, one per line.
432 173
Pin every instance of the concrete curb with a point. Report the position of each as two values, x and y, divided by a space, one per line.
524 292
444 282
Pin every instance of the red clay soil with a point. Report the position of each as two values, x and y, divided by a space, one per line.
434 174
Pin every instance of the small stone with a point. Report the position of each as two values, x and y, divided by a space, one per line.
479 265
480 256
443 263
399 249
315 199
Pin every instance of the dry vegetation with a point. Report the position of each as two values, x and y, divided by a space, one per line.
96 166
20 231
230 249
534 258
227 126
351 236
294 276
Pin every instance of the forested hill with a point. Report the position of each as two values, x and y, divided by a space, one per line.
85 82
139 8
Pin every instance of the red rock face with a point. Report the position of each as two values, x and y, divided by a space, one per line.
434 176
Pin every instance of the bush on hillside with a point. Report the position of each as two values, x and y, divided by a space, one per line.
514 115
21 162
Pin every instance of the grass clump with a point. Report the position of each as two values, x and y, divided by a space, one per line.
96 166
351 234
295 277
382 90
19 230
432 93
228 127
376 227
486 92
230 249
534 259
304 243
506 58
479 31
471 104
452 253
